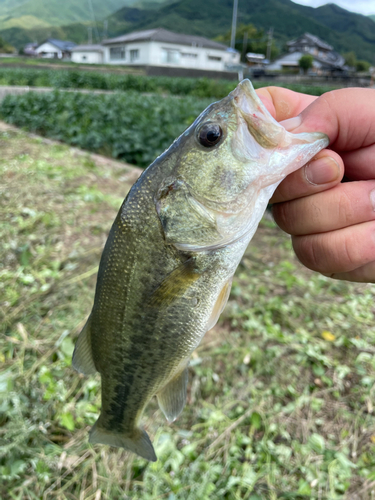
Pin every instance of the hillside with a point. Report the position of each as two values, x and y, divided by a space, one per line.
344 30
23 21
39 13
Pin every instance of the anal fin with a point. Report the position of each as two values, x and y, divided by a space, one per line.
82 356
172 397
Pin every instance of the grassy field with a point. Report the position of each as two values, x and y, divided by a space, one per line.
281 391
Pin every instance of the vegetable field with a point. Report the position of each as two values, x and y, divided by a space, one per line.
128 125
281 391
64 79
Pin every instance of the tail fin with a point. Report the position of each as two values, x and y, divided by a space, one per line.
138 441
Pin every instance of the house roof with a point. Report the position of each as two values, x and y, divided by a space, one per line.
312 39
162 35
88 48
332 60
60 44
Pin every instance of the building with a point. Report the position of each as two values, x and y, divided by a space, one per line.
162 48
30 49
55 49
88 54
325 59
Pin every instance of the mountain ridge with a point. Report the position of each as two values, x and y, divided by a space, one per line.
344 30
57 13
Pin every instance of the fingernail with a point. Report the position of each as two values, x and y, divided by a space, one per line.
372 198
291 123
322 171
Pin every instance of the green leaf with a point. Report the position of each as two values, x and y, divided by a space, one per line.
67 421
317 443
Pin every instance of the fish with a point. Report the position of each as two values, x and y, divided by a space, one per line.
167 267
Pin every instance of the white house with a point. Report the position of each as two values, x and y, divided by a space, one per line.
88 54
325 58
52 48
163 48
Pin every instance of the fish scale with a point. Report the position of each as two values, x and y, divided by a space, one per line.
167 266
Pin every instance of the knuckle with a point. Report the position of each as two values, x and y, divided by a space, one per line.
282 215
305 250
345 209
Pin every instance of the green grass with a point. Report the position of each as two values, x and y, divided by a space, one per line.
281 391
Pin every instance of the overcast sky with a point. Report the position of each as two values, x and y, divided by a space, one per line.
364 7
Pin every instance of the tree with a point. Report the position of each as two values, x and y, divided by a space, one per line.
249 39
5 47
306 62
350 59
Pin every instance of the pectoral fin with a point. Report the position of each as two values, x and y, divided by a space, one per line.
82 356
172 397
220 304
175 284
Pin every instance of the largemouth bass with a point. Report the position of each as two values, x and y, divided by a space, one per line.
167 267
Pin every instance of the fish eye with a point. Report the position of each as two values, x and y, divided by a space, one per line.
210 134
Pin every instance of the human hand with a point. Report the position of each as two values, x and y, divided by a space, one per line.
331 223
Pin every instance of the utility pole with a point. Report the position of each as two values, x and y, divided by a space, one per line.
89 32
234 24
105 29
269 44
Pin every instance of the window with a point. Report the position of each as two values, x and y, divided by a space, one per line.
134 55
170 56
188 55
117 53
214 58
84 58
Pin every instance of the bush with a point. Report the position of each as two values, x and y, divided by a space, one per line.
74 79
362 66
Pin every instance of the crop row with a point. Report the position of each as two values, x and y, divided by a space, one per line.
129 126
197 87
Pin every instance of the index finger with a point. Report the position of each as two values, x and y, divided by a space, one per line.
283 103
345 115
